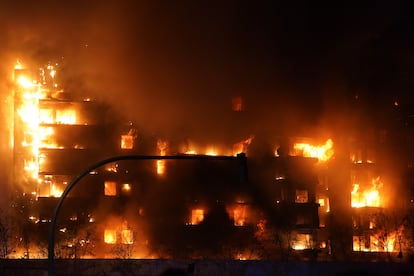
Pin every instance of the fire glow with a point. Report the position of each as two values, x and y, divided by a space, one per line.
39 125
375 243
369 197
27 109
322 152
197 216
33 124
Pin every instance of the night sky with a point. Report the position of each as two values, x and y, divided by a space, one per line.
172 66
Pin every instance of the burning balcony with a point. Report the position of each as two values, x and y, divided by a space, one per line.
322 152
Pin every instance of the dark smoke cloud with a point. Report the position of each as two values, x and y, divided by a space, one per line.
173 67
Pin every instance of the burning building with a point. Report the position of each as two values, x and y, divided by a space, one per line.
292 201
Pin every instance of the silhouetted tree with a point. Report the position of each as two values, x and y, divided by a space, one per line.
6 228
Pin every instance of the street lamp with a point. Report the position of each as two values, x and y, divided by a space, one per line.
51 245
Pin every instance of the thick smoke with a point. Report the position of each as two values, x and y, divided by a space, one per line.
174 67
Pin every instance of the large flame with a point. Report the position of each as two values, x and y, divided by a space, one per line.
375 242
321 152
369 197
33 128
27 110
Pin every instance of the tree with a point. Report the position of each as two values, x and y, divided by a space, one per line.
6 242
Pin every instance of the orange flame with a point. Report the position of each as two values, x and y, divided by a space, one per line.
302 241
369 197
322 152
242 146
110 236
239 215
197 216
66 116
55 191
127 236
375 243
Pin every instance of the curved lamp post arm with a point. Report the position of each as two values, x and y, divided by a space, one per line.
51 243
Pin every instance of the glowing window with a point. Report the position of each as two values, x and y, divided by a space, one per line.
46 116
301 196
197 216
302 241
127 236
127 141
239 215
360 243
324 204
66 116
110 188
374 243
110 236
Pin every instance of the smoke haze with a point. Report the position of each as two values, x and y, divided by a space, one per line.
174 67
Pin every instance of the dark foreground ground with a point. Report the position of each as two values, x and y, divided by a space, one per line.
117 267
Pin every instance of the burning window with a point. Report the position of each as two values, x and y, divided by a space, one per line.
110 236
302 241
110 188
46 116
66 116
324 204
359 156
374 243
55 190
323 209
52 185
367 195
127 236
302 196
360 243
239 215
383 243
127 141
197 216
